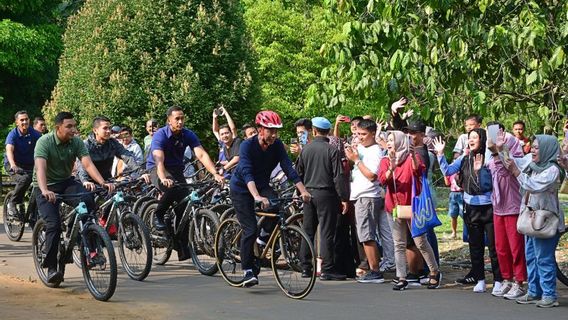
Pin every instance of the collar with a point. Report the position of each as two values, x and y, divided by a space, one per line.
169 132
57 141
21 134
321 138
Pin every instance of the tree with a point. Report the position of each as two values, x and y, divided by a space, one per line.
501 59
286 38
132 59
30 43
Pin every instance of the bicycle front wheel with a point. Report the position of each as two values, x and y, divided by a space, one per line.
13 226
134 246
162 244
99 263
39 249
287 261
562 258
202 230
228 253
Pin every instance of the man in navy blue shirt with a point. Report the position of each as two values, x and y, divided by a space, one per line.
259 155
165 163
19 158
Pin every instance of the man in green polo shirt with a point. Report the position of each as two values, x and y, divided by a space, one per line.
54 156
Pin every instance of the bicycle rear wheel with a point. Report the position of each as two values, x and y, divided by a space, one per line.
562 258
162 244
227 251
287 263
202 230
13 226
38 249
134 246
99 263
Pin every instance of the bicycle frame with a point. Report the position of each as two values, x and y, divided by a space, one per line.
78 226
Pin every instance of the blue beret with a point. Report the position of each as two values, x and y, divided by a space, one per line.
321 123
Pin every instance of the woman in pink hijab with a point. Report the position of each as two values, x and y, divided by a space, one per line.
506 200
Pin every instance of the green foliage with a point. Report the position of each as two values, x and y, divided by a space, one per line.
287 36
501 59
132 59
30 44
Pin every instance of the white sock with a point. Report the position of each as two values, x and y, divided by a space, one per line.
480 286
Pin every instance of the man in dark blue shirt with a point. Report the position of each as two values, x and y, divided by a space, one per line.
259 155
165 163
19 159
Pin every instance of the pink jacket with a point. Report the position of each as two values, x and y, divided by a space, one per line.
506 197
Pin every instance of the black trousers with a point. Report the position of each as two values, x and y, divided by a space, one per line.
344 261
22 179
479 221
322 210
244 208
50 213
169 196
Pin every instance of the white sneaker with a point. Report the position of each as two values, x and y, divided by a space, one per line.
500 289
480 286
516 291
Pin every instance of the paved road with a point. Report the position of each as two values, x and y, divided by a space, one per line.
186 294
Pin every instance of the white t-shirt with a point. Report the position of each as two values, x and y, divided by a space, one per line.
361 186
461 144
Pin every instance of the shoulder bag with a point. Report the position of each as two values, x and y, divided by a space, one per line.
542 224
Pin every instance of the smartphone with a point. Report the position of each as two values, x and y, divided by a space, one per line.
492 132
304 138
293 140
219 112
346 119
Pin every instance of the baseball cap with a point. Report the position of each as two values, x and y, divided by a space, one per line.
416 126
321 123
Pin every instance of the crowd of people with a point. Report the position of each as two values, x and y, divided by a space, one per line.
357 190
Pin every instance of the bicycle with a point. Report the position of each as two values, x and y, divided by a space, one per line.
98 260
282 249
202 225
134 244
562 258
14 225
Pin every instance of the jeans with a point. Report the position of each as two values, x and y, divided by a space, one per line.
50 213
541 266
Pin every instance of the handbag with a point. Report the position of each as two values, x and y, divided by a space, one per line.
403 211
542 224
424 215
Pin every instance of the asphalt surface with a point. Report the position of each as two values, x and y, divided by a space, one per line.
186 294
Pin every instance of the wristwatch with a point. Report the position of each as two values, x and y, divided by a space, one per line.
357 162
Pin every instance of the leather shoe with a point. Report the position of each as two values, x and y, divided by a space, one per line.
54 276
183 252
159 223
332 277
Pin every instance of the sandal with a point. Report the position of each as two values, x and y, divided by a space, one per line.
435 281
400 285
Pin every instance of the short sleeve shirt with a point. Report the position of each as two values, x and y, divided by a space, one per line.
361 186
24 145
461 144
172 145
233 151
60 156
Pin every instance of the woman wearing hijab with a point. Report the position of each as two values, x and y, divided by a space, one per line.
397 172
506 200
478 211
540 176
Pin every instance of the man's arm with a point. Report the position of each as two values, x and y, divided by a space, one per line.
215 126
204 158
89 166
10 156
230 122
229 165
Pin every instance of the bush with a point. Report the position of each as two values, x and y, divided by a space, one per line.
132 59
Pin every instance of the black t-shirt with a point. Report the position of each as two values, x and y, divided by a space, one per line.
233 150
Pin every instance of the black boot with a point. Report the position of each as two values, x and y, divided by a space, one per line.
159 222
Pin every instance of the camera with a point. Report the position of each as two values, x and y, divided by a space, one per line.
218 112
